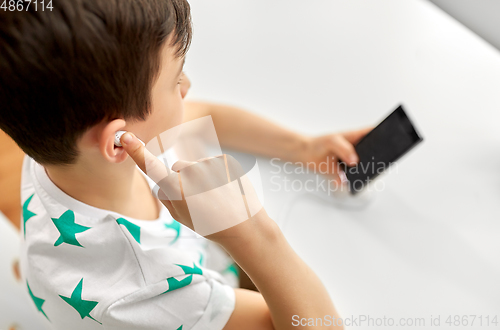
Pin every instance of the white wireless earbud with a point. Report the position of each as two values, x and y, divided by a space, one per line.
118 136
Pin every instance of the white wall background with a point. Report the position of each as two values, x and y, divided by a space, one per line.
481 16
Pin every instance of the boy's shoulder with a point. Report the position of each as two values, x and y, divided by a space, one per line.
70 251
67 221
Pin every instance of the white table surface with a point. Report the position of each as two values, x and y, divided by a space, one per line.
429 242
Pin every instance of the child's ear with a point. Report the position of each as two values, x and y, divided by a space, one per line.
107 146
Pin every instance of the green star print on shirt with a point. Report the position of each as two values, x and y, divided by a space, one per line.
133 229
38 301
175 226
87 268
27 214
68 229
174 284
83 307
232 269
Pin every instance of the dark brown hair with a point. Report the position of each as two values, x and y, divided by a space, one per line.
66 70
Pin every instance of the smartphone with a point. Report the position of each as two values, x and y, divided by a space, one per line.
382 146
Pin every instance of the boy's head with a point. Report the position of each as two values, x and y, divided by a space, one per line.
76 71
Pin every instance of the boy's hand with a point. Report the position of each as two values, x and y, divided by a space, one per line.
208 196
258 246
324 152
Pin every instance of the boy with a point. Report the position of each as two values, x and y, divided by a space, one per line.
99 251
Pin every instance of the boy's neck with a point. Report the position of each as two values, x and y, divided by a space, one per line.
116 187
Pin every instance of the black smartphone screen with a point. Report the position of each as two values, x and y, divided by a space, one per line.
381 147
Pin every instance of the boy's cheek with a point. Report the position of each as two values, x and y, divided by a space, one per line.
174 116
163 117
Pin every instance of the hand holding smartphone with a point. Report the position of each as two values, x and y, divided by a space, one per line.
382 146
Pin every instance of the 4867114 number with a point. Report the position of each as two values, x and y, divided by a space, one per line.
24 5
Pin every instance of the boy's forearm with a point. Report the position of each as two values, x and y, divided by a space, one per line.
287 284
245 131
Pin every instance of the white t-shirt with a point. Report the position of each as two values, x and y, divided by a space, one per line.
89 268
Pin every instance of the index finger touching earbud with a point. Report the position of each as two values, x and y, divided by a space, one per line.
146 161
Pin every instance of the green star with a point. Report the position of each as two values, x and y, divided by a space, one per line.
134 230
27 214
38 301
179 328
232 269
175 226
68 229
201 258
83 307
191 270
174 284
